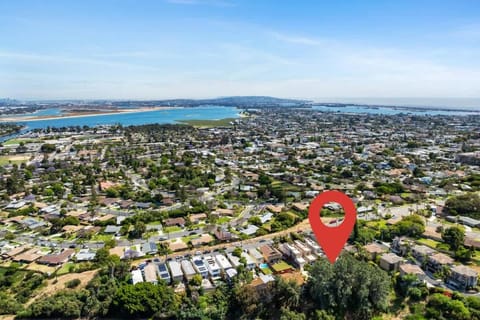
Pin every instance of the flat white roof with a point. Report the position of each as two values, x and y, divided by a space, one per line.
175 269
312 244
300 245
248 258
231 273
300 260
137 276
234 260
187 267
255 254
211 263
293 250
223 261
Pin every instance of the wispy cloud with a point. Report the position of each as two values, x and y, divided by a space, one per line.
57 59
295 39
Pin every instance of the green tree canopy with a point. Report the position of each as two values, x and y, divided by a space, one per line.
350 288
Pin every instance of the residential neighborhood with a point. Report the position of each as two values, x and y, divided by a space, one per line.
188 207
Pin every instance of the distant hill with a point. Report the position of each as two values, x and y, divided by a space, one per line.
15 106
250 101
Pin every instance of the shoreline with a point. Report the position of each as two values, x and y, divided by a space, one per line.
86 114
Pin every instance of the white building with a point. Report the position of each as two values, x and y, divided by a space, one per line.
223 262
256 255
314 247
175 270
303 248
188 269
137 276
234 260
200 266
213 268
250 262
230 273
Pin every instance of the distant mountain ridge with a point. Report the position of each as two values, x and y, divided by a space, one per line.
223 101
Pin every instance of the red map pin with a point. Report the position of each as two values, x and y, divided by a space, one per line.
332 239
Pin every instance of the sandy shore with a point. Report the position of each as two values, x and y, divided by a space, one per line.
92 113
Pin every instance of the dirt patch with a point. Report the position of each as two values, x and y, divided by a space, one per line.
40 268
19 157
56 284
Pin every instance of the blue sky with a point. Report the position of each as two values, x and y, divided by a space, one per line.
207 48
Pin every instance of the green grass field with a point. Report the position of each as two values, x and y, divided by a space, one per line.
429 242
17 141
65 268
209 123
171 229
189 238
102 237
11 159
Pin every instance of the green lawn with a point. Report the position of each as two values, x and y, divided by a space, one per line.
65 268
188 238
102 237
209 123
429 242
11 159
266 270
281 266
17 141
172 229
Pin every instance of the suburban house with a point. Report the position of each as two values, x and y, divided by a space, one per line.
112 229
149 248
314 247
223 262
188 269
202 240
437 261
293 252
170 222
222 235
200 266
421 253
137 276
213 268
234 260
256 255
176 270
390 261
85 255
163 273
408 268
57 259
250 261
150 272
197 218
463 277
28 256
304 250
374 249
270 254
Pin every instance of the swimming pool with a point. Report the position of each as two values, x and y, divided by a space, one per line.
263 265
